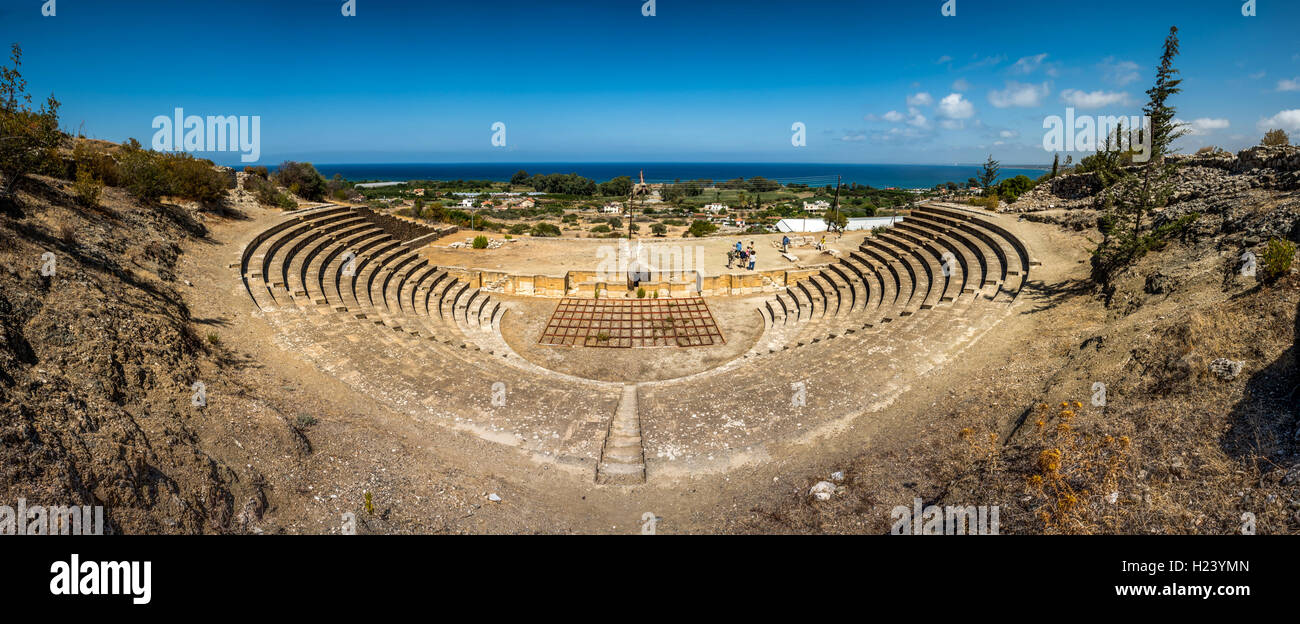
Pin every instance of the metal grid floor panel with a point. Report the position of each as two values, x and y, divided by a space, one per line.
629 323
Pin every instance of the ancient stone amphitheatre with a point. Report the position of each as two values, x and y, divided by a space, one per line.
724 368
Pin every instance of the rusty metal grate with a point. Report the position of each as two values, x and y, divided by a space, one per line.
627 323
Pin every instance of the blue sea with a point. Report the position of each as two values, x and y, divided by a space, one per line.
878 176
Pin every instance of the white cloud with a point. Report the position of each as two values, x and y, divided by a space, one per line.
1118 72
1286 120
1009 134
1289 85
893 116
853 138
944 59
918 120
1028 64
954 106
920 99
1202 126
961 85
1259 74
952 124
1093 99
1017 94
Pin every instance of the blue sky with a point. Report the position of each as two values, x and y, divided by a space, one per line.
706 80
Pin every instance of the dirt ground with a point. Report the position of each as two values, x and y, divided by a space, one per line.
556 256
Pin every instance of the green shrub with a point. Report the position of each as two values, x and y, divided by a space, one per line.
480 242
87 188
29 138
640 292
301 179
97 162
701 228
141 173
600 229
190 178
546 229
1278 256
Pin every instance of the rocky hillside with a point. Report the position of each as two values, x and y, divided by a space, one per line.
1170 405
99 361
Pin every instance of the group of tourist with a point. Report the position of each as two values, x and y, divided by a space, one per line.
746 257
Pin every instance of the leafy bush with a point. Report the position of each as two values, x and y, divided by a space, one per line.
658 229
97 162
480 242
194 179
87 188
1276 137
601 229
701 228
546 229
301 179
1277 259
141 173
30 137
265 192
1011 189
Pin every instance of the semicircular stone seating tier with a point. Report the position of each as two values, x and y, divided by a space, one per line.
367 309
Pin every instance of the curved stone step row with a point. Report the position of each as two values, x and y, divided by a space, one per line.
936 257
1010 249
785 396
380 284
253 261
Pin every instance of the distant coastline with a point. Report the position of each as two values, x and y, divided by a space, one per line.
877 176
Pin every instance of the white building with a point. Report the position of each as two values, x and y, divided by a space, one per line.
715 208
612 208
819 225
466 203
817 206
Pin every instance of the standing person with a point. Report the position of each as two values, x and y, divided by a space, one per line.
731 256
785 244
753 257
